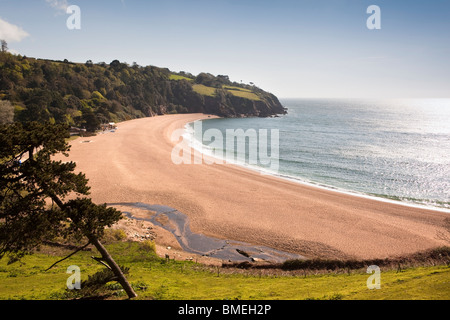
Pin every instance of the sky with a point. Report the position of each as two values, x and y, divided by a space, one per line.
294 49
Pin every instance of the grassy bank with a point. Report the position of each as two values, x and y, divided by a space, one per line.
156 278
235 91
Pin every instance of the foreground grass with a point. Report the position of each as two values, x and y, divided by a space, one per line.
155 278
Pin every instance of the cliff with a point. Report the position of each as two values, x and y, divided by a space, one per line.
89 94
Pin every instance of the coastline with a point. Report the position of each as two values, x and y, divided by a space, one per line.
231 202
301 181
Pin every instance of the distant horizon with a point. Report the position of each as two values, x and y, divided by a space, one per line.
267 89
359 98
310 48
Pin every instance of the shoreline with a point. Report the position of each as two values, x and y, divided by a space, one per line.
303 182
229 202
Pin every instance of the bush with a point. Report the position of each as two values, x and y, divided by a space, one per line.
112 235
148 246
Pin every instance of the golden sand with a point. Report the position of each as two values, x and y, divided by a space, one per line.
226 201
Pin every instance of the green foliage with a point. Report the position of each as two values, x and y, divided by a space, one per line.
89 120
101 278
30 179
204 90
184 280
148 246
111 235
48 89
6 112
177 77
433 256
245 94
90 219
210 80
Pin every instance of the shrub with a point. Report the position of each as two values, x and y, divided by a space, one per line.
112 235
148 246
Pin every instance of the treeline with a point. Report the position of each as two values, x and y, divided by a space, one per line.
86 95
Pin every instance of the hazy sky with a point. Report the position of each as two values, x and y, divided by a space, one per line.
302 48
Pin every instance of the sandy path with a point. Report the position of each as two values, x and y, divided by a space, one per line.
134 165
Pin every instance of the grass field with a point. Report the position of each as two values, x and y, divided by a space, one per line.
156 278
236 88
204 90
244 94
178 77
236 91
210 91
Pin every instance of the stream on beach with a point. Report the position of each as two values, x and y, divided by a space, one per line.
227 250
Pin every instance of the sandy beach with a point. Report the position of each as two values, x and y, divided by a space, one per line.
229 202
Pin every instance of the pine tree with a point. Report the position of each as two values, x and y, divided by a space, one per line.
30 179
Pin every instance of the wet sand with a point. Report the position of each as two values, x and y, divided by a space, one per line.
229 202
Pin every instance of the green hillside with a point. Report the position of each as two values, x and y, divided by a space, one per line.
157 278
87 94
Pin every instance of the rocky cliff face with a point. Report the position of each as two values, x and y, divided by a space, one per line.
231 106
223 102
86 95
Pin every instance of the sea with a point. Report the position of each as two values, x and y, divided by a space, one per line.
390 150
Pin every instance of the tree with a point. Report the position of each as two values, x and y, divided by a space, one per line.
4 45
6 112
116 65
224 79
90 120
30 180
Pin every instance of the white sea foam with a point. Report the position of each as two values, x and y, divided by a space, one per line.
399 166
